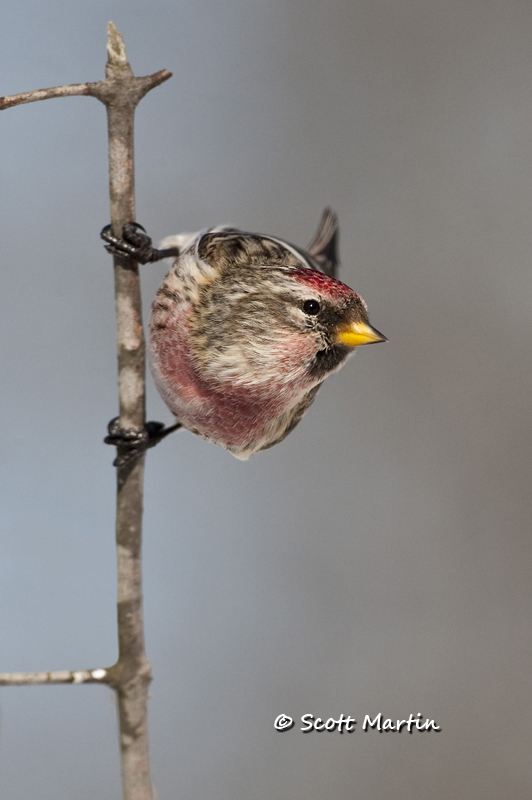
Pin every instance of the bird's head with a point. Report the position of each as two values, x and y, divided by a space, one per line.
276 324
333 315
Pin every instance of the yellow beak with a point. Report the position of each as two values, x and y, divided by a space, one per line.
357 333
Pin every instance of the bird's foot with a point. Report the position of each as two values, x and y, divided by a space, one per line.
130 444
134 245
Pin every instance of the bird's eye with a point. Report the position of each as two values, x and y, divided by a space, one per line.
311 307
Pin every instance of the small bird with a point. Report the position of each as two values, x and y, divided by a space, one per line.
244 330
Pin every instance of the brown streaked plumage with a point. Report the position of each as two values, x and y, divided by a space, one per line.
246 327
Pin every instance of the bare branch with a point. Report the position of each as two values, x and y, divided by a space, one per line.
42 678
103 90
44 94
120 91
74 89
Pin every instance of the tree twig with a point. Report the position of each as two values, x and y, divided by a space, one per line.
44 94
59 676
120 91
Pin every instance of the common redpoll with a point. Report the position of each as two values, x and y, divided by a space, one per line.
244 329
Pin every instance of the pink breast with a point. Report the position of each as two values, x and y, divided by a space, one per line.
230 416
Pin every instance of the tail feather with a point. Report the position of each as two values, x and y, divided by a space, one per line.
324 247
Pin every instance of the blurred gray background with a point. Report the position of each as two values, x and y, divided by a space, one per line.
379 559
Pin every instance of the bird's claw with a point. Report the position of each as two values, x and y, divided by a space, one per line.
130 443
134 245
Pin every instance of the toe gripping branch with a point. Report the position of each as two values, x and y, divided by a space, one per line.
134 245
130 444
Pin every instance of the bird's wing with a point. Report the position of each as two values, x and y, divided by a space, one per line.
324 247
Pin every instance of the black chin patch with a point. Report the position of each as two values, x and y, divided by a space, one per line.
326 361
